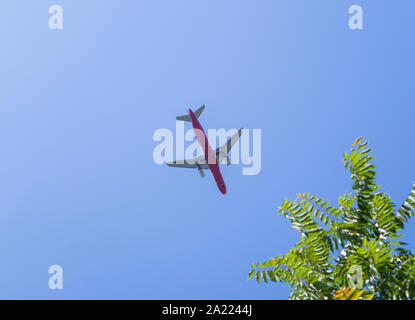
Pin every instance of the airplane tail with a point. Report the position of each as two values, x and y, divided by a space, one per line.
197 114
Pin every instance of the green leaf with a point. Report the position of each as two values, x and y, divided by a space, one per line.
264 276
258 276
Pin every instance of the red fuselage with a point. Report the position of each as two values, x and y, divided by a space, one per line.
209 154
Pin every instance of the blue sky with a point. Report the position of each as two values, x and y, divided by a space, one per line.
79 106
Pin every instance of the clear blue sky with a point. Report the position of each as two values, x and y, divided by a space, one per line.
78 109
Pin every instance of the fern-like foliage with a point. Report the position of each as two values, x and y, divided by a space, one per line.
358 233
346 293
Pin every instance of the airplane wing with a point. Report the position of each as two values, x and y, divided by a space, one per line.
222 152
196 163
200 162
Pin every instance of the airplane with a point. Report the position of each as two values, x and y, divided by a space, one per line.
210 159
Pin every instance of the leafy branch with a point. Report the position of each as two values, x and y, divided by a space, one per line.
360 230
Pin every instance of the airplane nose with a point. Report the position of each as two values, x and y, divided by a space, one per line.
222 187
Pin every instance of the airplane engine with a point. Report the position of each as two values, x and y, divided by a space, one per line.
202 174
